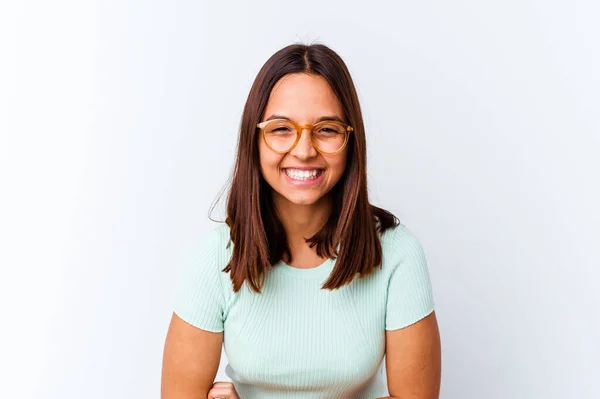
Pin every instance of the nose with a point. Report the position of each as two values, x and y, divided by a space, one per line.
304 149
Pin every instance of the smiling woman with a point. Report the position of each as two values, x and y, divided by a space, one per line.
289 153
307 284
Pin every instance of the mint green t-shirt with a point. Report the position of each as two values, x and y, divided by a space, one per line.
296 340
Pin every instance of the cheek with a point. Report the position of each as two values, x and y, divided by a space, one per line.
269 162
337 164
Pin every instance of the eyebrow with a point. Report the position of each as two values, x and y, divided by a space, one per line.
321 119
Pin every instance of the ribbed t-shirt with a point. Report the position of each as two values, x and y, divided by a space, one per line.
296 340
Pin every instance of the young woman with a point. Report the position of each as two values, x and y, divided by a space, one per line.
307 285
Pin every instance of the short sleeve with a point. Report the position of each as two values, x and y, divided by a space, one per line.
200 300
410 294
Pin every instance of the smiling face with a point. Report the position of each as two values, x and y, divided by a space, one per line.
302 176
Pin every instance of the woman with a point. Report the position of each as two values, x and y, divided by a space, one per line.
307 285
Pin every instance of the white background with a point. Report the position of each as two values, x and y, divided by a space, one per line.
118 124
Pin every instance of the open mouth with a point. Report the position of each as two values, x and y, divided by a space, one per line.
297 174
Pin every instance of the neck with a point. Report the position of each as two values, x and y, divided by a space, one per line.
301 221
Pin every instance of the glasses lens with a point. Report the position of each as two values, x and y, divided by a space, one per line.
329 136
280 135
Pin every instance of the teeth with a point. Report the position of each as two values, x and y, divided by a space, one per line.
302 174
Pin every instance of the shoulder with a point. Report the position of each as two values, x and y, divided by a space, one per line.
399 239
211 254
399 244
215 241
219 234
203 291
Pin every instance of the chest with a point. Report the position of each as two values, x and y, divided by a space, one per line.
296 336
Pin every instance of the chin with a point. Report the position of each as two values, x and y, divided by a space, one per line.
300 198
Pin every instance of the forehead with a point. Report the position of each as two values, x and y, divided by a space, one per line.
304 98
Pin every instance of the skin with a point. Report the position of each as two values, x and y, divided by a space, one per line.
304 99
414 360
190 361
192 356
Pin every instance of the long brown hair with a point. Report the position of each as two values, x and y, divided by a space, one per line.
258 237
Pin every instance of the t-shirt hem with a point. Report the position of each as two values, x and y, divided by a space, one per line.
411 321
196 324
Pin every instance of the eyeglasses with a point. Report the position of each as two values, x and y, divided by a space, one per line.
282 135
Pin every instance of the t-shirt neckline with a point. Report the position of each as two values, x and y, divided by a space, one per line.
317 271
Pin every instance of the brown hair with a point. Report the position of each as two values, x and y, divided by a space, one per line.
257 234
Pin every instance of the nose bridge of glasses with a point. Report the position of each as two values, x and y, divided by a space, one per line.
308 140
300 128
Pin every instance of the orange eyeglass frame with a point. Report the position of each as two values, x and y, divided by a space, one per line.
300 129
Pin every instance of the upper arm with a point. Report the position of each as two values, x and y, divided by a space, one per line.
190 360
413 348
195 337
414 360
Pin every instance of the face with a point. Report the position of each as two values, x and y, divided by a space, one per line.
302 176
